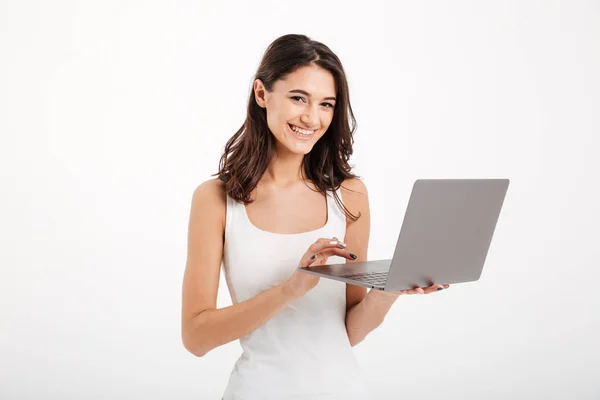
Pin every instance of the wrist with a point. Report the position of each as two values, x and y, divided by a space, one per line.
289 291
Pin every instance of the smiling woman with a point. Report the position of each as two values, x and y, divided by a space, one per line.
299 118
300 95
285 198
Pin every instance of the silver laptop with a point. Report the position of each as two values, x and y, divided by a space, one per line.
444 239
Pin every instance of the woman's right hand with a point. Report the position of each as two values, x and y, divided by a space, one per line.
317 254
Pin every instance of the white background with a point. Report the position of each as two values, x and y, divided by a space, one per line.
112 112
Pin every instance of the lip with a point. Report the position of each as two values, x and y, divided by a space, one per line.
298 135
306 129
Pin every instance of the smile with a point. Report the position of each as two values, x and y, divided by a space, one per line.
302 133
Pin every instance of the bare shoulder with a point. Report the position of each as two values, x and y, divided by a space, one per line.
212 189
354 185
211 198
355 196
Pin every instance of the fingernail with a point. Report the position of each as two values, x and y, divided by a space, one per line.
440 288
333 242
313 257
353 256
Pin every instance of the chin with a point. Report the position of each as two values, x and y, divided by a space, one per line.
299 150
304 151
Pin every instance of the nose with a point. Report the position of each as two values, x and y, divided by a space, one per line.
310 117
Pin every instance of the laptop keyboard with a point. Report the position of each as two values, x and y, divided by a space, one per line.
372 278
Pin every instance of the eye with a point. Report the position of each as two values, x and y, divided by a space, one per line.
328 105
298 98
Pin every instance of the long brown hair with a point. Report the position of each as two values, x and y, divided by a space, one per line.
249 151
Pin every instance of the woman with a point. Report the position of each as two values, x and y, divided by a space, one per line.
285 197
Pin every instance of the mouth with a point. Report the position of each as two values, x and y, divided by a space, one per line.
302 133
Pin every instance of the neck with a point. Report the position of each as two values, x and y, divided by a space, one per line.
285 169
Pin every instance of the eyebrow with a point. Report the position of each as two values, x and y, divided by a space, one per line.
304 92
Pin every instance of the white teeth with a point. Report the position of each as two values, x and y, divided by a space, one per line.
303 132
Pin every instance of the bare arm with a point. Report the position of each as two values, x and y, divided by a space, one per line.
365 311
212 328
363 314
367 315
203 326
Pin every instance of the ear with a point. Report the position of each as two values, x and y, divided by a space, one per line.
260 93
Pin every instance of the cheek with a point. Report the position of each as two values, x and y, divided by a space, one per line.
326 120
277 116
274 121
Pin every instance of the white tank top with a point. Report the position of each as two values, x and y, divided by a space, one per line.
303 352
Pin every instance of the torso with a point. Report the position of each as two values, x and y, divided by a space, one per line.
304 350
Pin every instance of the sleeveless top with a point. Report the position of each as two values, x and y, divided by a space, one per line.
303 352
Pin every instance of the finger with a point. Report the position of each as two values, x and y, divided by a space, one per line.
416 290
413 291
323 244
332 241
306 261
347 254
433 288
310 255
321 257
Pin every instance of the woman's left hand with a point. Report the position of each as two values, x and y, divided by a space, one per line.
420 290
423 290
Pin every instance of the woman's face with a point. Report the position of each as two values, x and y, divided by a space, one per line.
299 108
